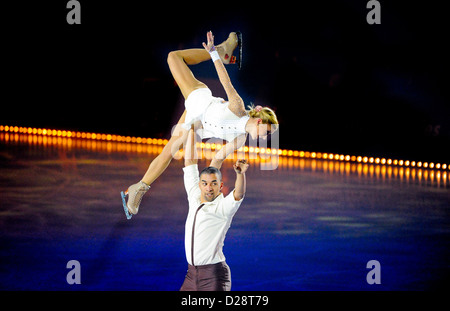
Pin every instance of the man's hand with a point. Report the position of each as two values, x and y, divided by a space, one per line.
241 166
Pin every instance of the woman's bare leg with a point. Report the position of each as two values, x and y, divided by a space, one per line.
160 163
136 191
178 64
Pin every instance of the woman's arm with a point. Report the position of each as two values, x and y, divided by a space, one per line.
236 104
226 150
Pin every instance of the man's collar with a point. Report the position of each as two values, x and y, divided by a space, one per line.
216 199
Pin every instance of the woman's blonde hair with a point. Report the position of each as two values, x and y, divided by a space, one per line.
266 114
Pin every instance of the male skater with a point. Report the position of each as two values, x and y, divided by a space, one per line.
209 217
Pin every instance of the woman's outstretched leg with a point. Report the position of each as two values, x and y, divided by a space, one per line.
160 163
136 191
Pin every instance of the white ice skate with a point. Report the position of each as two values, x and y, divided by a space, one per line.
134 193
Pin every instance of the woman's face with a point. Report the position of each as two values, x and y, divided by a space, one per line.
264 130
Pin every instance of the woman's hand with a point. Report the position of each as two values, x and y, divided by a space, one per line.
210 46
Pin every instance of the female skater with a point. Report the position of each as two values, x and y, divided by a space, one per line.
225 120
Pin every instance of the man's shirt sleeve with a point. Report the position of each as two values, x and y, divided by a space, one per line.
191 180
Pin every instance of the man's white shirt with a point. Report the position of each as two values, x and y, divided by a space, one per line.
211 224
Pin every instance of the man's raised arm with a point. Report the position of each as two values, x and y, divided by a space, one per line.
190 152
240 167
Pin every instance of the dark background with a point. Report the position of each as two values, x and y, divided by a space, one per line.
337 84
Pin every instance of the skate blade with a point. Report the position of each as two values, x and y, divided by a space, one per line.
124 203
239 46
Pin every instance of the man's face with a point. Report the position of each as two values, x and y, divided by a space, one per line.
210 187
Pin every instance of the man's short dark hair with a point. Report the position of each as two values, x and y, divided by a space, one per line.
212 170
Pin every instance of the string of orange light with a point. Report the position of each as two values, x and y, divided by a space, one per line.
207 146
